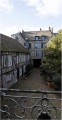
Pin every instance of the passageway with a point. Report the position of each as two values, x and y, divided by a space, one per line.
36 62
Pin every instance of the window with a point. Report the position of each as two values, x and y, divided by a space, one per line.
14 60
29 45
37 45
36 37
21 58
27 57
38 53
9 60
5 61
43 37
42 45
24 44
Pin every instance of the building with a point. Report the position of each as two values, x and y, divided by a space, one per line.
13 60
35 41
19 37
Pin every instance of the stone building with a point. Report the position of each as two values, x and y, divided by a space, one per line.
13 60
35 41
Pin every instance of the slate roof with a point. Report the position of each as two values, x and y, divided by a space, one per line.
8 44
31 34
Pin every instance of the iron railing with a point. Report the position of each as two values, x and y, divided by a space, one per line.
30 104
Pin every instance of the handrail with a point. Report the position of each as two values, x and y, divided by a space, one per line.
30 106
31 91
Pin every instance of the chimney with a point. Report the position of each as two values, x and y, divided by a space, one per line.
52 30
49 29
22 31
40 29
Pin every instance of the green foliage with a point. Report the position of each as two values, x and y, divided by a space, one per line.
57 81
28 68
55 42
45 70
53 58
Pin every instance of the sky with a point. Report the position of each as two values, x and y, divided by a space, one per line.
29 15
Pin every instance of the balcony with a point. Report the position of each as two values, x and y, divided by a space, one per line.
30 104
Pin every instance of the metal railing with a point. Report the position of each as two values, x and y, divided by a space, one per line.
30 104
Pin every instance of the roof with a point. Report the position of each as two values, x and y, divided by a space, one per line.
8 44
30 35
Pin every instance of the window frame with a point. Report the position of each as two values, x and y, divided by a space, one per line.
37 38
43 37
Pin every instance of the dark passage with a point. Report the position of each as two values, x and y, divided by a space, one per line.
36 62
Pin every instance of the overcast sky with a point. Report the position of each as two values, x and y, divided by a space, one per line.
18 15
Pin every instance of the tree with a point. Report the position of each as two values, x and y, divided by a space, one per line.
53 56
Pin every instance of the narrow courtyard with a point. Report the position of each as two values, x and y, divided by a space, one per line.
35 82
29 105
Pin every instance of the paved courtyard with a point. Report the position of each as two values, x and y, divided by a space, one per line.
34 81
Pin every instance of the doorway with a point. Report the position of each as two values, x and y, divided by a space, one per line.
36 62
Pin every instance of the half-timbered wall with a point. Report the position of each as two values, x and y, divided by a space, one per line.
10 63
9 79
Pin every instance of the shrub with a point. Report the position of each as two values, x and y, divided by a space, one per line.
46 70
57 81
43 69
28 68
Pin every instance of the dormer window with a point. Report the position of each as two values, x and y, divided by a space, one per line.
36 37
43 37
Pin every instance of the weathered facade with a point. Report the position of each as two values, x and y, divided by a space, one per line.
36 42
13 58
